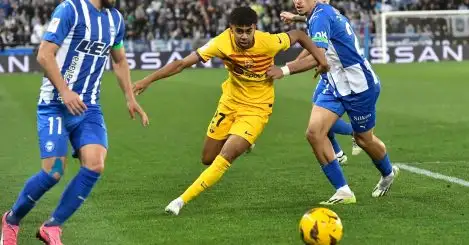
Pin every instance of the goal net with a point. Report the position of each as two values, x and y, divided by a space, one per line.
421 36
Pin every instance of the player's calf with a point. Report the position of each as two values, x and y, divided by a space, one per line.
319 125
370 144
92 159
234 147
54 166
35 187
376 149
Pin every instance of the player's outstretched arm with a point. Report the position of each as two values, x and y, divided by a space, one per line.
122 71
302 54
289 18
46 58
297 66
318 53
168 70
301 65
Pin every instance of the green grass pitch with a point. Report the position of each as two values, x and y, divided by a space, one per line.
422 117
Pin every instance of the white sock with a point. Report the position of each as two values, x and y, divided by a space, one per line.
340 154
345 189
180 201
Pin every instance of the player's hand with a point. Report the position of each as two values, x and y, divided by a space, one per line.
287 17
73 102
321 68
140 87
134 107
274 72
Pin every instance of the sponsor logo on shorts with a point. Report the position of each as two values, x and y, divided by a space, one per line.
362 119
49 146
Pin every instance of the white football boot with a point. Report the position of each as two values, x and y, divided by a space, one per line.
342 196
385 183
355 148
342 158
174 206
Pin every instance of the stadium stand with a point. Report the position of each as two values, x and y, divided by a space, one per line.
23 22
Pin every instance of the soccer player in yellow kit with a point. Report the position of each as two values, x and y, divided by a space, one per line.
248 94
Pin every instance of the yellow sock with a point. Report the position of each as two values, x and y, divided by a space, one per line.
208 178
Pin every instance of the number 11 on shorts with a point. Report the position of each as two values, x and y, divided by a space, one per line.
51 125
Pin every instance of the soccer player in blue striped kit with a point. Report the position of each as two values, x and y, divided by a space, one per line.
350 86
74 52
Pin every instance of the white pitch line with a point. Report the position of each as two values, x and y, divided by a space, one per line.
433 175
440 162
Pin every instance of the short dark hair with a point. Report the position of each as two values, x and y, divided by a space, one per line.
243 16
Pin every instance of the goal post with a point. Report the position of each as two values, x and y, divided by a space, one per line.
424 26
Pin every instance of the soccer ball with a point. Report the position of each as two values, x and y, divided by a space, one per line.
321 226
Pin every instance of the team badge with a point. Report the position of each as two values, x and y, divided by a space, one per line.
50 146
248 64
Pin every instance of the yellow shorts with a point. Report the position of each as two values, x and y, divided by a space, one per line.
242 120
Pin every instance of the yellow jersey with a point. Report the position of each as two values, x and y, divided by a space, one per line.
247 82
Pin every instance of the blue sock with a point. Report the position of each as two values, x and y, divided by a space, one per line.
33 190
334 173
384 165
334 142
342 127
76 192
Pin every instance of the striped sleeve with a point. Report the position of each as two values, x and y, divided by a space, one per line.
119 41
63 19
209 50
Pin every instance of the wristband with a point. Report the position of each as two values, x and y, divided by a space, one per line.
285 70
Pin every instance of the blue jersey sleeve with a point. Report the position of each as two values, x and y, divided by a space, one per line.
320 29
119 41
63 19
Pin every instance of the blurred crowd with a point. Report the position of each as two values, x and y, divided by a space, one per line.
24 21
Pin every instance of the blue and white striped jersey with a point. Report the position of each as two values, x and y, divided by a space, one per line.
350 72
85 36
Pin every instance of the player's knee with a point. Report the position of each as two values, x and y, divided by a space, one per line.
95 166
92 157
313 134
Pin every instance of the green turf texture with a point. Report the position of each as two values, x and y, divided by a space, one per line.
422 117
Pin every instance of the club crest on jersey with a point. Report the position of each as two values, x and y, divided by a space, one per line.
248 64
49 146
94 48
